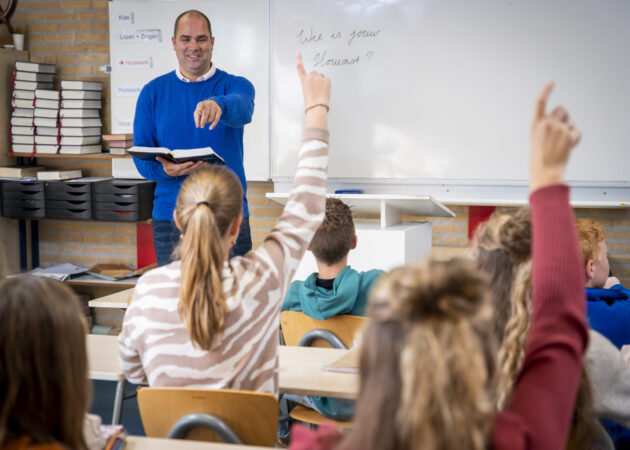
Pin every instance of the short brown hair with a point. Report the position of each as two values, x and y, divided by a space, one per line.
590 235
194 13
44 389
335 236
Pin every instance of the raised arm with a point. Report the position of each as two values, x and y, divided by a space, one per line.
304 211
539 414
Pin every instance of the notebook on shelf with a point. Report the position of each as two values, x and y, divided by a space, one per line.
31 85
59 174
21 75
34 67
81 85
19 171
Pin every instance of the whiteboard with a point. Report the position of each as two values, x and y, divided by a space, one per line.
141 49
439 94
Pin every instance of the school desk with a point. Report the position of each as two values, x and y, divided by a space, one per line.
145 443
118 300
102 352
301 371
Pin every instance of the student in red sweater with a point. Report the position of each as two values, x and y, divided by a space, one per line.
431 385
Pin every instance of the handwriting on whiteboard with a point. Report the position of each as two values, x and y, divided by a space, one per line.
355 40
141 36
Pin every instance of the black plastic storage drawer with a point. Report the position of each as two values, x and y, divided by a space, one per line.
68 213
128 216
23 198
17 202
17 211
68 190
140 188
22 189
68 204
125 200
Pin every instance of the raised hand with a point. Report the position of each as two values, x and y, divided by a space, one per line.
552 138
207 111
315 87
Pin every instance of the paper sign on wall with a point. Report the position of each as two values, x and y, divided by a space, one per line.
141 36
128 91
125 18
134 62
124 124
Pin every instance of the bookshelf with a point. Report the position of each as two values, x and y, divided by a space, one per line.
70 156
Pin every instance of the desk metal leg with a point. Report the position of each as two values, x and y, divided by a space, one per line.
118 401
23 246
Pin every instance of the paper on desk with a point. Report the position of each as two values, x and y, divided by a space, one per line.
348 363
59 272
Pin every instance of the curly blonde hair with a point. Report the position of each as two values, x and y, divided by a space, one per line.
503 247
427 360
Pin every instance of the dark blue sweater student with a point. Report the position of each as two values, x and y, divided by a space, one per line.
173 111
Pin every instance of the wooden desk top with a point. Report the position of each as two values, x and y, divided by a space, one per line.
116 300
301 368
142 443
302 372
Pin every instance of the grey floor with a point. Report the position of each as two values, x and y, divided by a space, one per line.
103 405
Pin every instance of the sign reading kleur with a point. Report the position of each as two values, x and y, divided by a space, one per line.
125 18
141 36
134 62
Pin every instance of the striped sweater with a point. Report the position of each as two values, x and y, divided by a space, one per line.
154 345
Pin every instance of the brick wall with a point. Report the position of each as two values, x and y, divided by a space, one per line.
74 35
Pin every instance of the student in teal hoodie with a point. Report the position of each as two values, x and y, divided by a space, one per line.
335 289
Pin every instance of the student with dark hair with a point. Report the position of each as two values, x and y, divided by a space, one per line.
336 288
427 355
44 389
207 321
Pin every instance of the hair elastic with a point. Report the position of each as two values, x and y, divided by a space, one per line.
203 203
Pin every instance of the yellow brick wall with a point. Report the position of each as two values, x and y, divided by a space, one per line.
74 35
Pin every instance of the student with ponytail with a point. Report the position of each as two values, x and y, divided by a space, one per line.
428 377
208 322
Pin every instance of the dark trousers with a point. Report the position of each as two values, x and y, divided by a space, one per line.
166 236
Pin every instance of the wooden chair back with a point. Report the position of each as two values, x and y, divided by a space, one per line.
295 323
253 416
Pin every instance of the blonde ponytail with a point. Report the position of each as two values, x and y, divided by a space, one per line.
210 200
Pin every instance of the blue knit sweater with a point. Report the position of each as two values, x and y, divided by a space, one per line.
609 313
164 118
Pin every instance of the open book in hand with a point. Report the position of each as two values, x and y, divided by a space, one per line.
177 156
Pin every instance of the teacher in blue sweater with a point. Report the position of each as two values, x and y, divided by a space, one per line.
196 105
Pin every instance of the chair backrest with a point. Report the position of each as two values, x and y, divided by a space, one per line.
295 324
253 416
